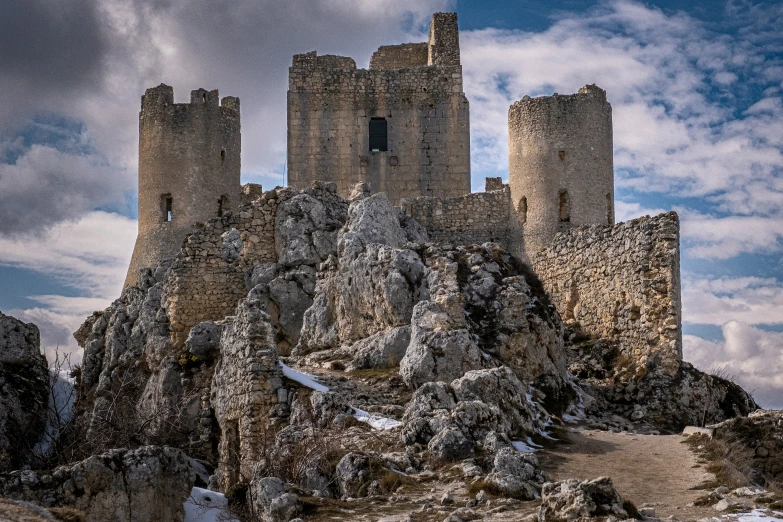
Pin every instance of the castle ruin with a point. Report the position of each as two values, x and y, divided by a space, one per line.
402 128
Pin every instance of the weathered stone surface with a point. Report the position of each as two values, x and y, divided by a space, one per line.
516 474
761 432
24 390
273 500
382 350
353 475
449 445
204 339
571 499
146 484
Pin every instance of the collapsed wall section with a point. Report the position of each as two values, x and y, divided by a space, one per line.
474 218
402 126
620 282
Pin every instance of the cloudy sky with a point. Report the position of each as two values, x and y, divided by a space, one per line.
697 91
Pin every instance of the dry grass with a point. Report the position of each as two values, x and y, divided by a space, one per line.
731 461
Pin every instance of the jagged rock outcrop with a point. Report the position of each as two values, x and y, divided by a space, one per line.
142 485
24 391
668 402
572 499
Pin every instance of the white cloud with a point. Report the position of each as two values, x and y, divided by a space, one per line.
752 300
722 237
750 356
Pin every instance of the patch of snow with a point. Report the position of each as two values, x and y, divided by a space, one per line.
204 505
302 378
376 421
757 515
533 444
571 419
522 447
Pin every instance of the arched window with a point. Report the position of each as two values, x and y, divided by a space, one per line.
378 136
166 204
222 154
565 207
522 210
609 210
222 205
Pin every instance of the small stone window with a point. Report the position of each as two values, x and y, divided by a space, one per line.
609 209
378 135
522 210
222 205
565 207
222 154
561 155
166 203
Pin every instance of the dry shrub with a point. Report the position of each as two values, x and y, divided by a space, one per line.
730 460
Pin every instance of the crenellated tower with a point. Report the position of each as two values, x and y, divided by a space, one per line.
189 169
560 167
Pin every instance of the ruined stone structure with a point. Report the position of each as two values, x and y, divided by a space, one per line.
560 166
402 125
189 163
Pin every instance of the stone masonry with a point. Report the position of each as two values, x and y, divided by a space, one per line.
621 282
414 91
189 163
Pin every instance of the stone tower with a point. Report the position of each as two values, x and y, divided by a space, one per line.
403 125
560 167
189 167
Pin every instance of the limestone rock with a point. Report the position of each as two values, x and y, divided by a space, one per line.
353 475
203 339
146 484
449 445
24 390
516 474
381 350
573 499
273 500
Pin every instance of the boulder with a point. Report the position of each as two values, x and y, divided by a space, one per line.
150 483
273 500
381 350
516 474
573 499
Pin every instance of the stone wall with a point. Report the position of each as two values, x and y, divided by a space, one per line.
331 104
207 277
190 154
474 218
621 282
560 163
392 57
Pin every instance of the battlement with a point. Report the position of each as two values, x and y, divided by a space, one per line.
392 57
161 99
543 106
443 41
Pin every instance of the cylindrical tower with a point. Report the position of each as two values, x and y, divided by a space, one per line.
189 169
560 167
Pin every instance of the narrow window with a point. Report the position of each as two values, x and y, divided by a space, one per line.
203 98
378 137
609 210
222 205
222 154
522 210
166 203
565 211
561 155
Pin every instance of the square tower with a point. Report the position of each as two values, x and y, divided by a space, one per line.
403 125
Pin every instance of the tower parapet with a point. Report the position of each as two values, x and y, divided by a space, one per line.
560 164
189 169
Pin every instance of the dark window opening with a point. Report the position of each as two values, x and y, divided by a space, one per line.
522 210
378 135
222 205
561 155
223 155
565 210
203 98
166 203
609 210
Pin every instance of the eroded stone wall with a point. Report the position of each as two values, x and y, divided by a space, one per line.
474 218
621 282
331 104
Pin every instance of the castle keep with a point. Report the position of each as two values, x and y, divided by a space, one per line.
401 127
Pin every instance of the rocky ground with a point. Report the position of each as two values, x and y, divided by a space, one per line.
373 375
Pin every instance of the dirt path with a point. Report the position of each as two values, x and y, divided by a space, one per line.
646 469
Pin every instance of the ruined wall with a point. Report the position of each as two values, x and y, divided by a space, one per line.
620 282
560 163
190 153
392 57
331 103
207 277
474 218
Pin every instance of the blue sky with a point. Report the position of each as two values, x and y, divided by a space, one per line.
696 88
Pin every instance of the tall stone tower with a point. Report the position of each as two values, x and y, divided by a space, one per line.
189 168
403 125
560 167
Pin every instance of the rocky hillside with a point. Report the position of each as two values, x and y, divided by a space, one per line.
366 366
